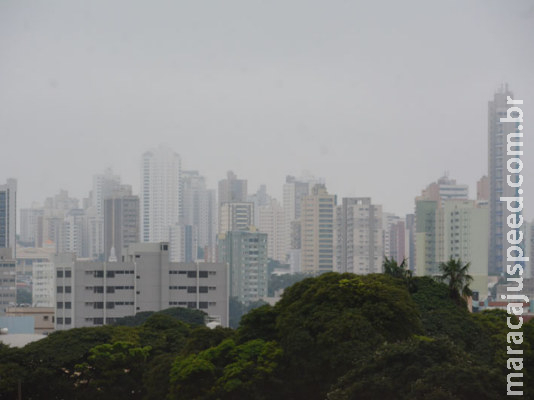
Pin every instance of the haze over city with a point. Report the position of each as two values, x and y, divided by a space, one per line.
378 101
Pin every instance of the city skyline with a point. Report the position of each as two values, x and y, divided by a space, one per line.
238 95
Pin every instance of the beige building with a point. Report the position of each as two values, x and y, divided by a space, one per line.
359 236
43 317
271 221
235 217
317 231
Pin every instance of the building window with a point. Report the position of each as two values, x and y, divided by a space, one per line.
59 305
68 273
191 289
60 289
191 274
203 289
59 273
68 305
203 274
60 320
68 289
68 321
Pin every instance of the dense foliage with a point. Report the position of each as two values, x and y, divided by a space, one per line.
336 337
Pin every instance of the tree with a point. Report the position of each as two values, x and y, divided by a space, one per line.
393 269
455 275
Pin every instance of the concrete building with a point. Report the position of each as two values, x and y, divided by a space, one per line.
317 231
359 236
97 293
294 191
232 190
483 189
104 185
8 288
260 199
29 224
121 223
8 215
246 254
183 244
271 221
43 290
499 139
235 217
43 318
200 211
466 237
160 194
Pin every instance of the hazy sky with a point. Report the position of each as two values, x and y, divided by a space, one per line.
378 97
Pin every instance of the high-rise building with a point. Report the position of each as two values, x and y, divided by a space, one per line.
104 185
395 235
121 223
92 293
43 288
359 236
8 288
271 221
74 234
29 225
483 189
232 190
200 211
500 137
428 222
235 217
8 215
260 198
160 194
183 244
317 231
466 237
246 254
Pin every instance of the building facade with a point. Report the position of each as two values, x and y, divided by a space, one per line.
246 254
97 293
317 231
8 215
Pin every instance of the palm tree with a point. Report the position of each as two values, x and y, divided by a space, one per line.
392 268
455 275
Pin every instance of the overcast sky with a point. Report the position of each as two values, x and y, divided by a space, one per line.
378 97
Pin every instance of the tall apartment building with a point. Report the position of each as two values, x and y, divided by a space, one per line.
160 194
246 254
232 190
96 293
394 233
183 244
499 136
8 285
260 199
271 221
428 229
29 225
466 237
200 211
8 215
317 231
104 185
483 189
43 287
121 223
359 236
235 217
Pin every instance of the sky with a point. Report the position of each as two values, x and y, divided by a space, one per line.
379 98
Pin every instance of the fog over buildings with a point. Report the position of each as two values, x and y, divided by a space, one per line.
379 99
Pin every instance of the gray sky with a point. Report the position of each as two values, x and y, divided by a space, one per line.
377 97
